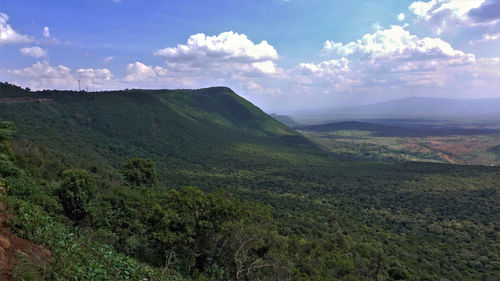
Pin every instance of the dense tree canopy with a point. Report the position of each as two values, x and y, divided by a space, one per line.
140 172
5 133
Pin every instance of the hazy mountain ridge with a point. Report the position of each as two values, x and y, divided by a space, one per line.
412 108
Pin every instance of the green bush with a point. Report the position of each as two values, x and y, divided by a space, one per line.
76 254
77 190
140 172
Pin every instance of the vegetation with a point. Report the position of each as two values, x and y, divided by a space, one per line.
77 190
387 144
140 172
239 197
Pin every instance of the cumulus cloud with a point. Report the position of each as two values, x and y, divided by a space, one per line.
393 59
486 38
396 43
227 46
93 75
9 35
446 15
139 72
43 75
34 51
401 17
228 58
226 52
323 77
441 10
324 68
46 32
488 12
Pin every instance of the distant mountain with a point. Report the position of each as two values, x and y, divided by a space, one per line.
414 107
285 119
393 131
210 128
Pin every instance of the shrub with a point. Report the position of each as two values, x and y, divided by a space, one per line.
140 172
77 190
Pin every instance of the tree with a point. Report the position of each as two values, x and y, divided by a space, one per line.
77 190
140 172
5 133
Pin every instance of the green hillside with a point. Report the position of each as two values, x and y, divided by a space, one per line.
181 130
240 196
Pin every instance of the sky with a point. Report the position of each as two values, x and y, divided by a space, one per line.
282 55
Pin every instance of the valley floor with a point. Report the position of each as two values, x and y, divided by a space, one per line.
467 150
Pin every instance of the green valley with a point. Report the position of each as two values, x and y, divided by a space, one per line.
377 142
238 195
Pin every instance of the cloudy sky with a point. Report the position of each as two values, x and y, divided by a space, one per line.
282 55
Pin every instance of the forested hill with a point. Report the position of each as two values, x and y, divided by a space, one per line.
178 129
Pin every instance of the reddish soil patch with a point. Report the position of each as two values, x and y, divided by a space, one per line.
12 247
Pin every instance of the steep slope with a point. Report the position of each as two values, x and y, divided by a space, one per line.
180 129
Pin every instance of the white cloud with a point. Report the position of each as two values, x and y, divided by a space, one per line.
46 32
139 72
229 58
442 10
448 15
34 51
394 60
486 38
42 75
401 17
94 74
9 35
227 46
142 75
376 26
329 67
396 43
343 50
331 75
108 59
226 52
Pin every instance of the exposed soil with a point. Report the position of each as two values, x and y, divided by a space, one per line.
12 248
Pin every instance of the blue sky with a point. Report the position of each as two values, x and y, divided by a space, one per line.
281 55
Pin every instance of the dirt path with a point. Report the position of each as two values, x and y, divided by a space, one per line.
12 248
